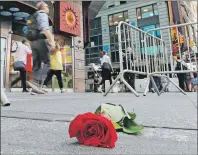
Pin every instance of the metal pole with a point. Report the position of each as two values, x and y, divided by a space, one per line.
73 64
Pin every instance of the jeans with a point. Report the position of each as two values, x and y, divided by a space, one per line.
106 75
58 75
23 78
40 54
181 79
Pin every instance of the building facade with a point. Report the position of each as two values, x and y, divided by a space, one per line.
142 14
145 15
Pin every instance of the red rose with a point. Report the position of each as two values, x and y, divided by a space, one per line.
93 129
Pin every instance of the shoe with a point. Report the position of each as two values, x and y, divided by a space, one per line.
44 89
35 89
62 90
25 91
6 105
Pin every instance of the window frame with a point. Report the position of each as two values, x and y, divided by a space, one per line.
153 11
114 51
92 52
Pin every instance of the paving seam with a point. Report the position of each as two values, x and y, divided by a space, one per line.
69 120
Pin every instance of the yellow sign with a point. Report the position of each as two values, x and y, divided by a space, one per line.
67 55
191 43
181 39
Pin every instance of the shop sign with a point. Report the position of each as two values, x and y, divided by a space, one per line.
69 18
106 48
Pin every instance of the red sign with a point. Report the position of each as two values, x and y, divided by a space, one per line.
69 18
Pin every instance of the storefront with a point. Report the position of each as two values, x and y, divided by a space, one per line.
13 17
66 20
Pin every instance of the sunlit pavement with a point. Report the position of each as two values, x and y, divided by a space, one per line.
39 124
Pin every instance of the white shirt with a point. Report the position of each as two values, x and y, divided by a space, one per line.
21 53
106 59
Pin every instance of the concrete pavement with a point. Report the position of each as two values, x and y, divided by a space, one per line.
39 124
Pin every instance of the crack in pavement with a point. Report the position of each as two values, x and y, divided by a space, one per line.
69 120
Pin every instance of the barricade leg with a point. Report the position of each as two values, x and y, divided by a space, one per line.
176 86
154 85
4 99
163 89
112 85
128 86
147 86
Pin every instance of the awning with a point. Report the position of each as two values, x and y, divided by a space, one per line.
17 10
94 8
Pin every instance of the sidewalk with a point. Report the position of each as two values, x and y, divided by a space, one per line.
40 123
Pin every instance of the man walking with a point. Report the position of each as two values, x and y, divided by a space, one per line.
41 48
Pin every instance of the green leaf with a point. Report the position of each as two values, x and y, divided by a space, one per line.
116 126
132 115
98 110
129 126
125 112
133 129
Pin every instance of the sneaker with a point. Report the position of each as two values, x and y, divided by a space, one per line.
62 90
38 91
32 93
35 88
6 105
44 88
25 91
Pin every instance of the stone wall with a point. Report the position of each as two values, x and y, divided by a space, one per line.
79 67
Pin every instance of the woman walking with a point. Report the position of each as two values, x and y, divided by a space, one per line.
106 69
56 68
20 62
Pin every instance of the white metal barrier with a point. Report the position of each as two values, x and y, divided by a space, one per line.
143 53
163 53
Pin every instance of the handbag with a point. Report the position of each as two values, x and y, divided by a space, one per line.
19 65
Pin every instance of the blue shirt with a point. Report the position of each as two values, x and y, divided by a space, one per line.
43 21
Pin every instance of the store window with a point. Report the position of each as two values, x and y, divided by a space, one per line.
147 11
113 22
92 52
149 27
151 49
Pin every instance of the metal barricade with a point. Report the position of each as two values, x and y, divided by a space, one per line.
144 53
131 53
158 64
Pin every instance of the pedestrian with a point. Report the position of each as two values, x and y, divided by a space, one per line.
107 68
56 68
195 83
42 46
178 66
20 61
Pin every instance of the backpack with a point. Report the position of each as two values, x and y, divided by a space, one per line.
32 26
